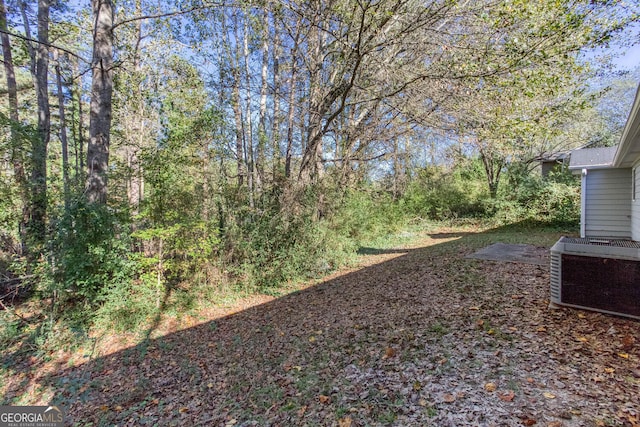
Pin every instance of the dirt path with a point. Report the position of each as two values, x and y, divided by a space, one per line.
418 336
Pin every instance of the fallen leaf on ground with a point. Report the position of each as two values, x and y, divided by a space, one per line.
627 342
324 399
490 387
389 352
508 396
449 398
549 395
345 422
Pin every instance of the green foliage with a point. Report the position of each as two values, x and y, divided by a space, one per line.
440 194
269 247
460 193
364 215
555 200
89 254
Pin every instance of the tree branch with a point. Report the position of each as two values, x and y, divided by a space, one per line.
165 14
62 49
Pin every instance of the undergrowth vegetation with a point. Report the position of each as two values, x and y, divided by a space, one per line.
110 270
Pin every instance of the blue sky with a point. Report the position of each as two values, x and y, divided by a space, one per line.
630 59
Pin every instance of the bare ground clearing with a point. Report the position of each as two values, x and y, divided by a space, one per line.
417 336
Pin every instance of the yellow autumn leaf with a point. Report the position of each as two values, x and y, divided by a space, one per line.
609 370
448 398
549 395
389 352
312 339
345 422
582 339
490 387
624 355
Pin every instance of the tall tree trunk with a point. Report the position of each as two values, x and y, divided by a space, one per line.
16 152
101 95
135 179
493 170
63 133
275 125
251 175
262 123
310 168
36 228
78 133
293 87
235 99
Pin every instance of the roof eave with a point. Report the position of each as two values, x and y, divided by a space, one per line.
629 147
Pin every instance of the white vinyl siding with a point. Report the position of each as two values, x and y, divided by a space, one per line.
635 205
608 203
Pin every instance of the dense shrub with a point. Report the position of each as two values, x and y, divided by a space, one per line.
440 194
90 253
461 193
270 246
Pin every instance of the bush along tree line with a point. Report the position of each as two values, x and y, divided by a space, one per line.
152 153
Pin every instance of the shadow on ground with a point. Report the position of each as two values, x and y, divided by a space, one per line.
411 340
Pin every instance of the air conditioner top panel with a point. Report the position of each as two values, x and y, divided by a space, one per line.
599 247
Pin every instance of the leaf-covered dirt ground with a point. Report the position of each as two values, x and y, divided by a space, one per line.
415 336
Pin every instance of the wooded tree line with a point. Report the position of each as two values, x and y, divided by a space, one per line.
201 122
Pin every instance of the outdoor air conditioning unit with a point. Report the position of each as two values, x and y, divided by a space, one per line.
597 274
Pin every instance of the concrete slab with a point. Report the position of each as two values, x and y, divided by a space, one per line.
506 252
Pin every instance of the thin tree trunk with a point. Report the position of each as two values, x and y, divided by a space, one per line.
275 126
235 101
101 95
79 140
293 84
262 124
135 174
493 170
251 175
39 67
63 133
16 154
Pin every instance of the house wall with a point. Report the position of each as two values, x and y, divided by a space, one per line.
635 204
608 203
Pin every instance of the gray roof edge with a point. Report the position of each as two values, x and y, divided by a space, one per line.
592 158
629 131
